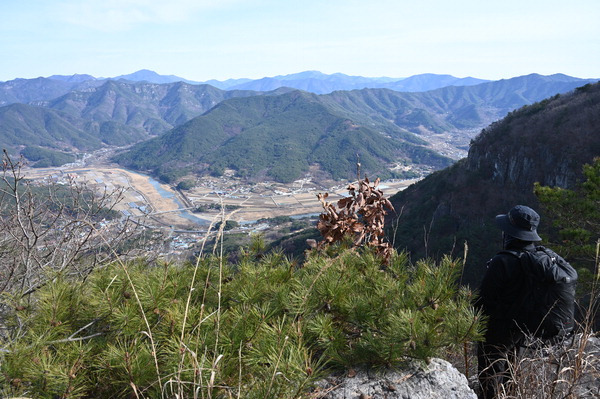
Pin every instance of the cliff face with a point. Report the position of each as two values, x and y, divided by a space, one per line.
547 142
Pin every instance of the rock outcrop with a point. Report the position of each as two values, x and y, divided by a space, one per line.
546 142
569 369
439 379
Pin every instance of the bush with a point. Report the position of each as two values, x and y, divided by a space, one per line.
229 225
185 185
266 327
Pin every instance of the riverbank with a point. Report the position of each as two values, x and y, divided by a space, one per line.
143 197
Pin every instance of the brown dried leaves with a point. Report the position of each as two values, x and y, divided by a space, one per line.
360 216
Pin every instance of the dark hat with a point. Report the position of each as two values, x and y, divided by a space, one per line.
520 222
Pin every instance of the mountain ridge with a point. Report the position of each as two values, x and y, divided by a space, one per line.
146 75
124 112
153 108
277 136
407 120
319 83
115 113
546 142
45 89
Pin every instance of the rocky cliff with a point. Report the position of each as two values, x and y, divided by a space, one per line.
547 142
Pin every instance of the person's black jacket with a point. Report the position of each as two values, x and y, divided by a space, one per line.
501 286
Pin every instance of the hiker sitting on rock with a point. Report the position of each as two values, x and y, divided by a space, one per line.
527 291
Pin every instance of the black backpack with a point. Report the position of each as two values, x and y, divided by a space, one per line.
547 306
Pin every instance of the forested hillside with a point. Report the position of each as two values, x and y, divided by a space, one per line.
23 124
281 138
152 108
111 114
277 137
547 142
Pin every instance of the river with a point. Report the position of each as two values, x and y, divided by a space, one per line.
184 213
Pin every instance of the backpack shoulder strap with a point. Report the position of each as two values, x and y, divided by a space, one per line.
528 261
551 254
517 254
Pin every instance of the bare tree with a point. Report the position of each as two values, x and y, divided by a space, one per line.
51 229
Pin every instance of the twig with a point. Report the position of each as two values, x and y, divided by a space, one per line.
464 263
71 339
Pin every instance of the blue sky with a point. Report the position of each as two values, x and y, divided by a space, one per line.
220 39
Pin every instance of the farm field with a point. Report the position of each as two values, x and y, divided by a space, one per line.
161 205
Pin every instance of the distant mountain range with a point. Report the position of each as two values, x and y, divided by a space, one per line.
26 90
280 137
152 108
82 113
42 89
116 113
319 83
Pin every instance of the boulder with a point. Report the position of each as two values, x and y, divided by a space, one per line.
438 379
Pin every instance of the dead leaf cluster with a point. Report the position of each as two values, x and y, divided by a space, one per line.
360 216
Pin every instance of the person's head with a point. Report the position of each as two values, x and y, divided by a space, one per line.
520 222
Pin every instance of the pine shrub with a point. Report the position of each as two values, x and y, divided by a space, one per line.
264 328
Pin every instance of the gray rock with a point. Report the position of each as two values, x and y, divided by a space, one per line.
439 379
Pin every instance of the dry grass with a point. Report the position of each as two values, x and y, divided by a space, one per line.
569 369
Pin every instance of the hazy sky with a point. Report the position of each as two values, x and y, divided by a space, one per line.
220 39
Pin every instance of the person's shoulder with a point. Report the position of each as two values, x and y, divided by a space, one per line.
546 250
505 259
499 258
506 254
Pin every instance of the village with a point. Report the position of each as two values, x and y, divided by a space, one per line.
185 216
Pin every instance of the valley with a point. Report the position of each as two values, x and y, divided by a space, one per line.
184 216
257 157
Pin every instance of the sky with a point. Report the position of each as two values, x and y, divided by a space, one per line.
221 39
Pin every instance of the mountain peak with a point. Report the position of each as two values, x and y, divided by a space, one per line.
302 75
146 75
76 78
